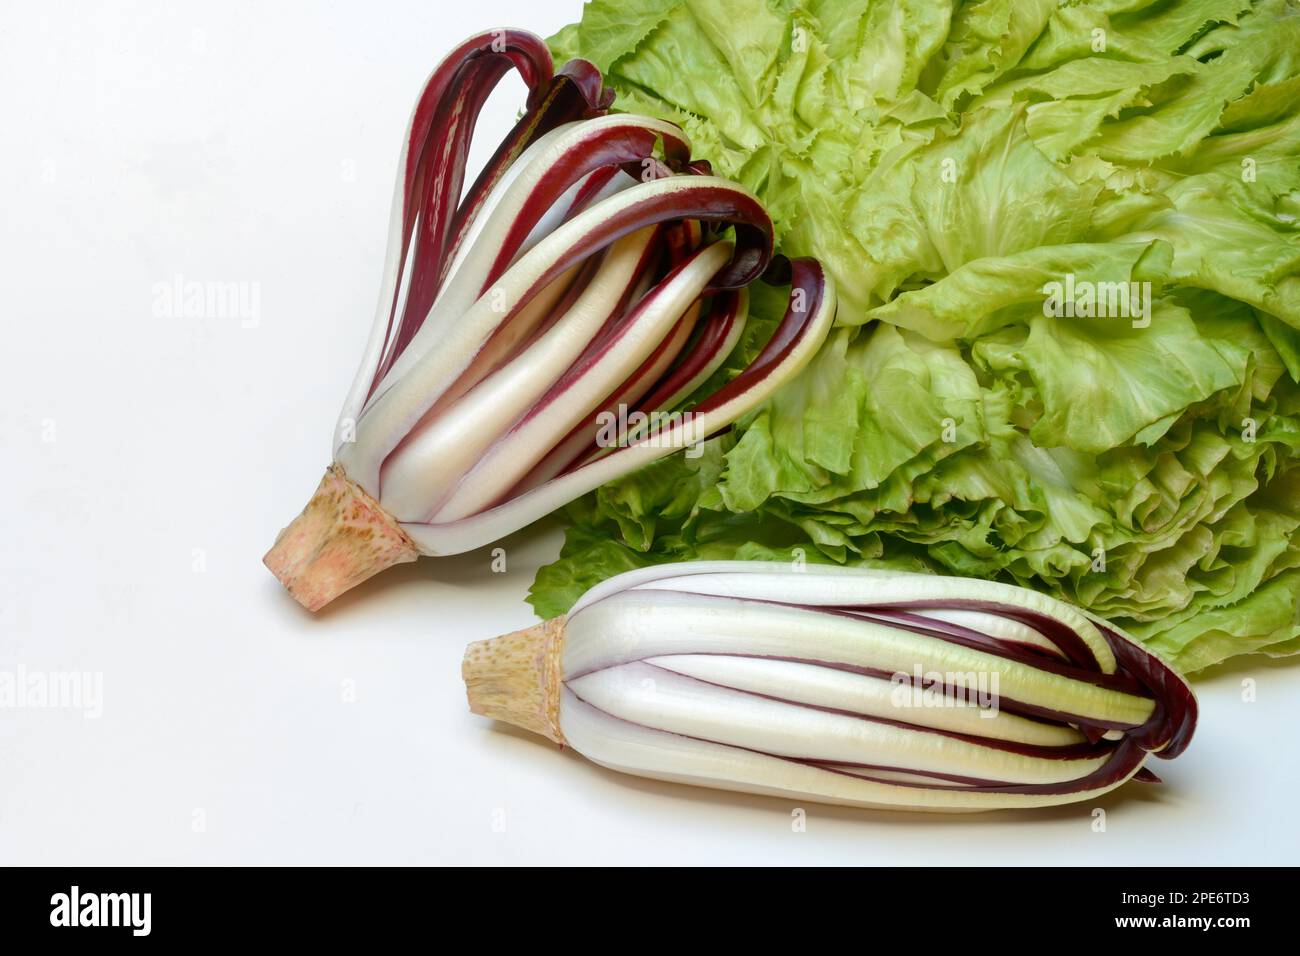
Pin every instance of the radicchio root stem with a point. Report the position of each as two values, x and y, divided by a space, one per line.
341 538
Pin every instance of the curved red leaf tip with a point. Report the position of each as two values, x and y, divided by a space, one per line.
1171 726
589 81
807 284
526 50
778 271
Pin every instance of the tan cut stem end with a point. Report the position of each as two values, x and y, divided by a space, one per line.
516 678
341 538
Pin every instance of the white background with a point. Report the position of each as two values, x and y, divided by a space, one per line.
148 462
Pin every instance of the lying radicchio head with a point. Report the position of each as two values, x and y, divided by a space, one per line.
868 688
591 270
